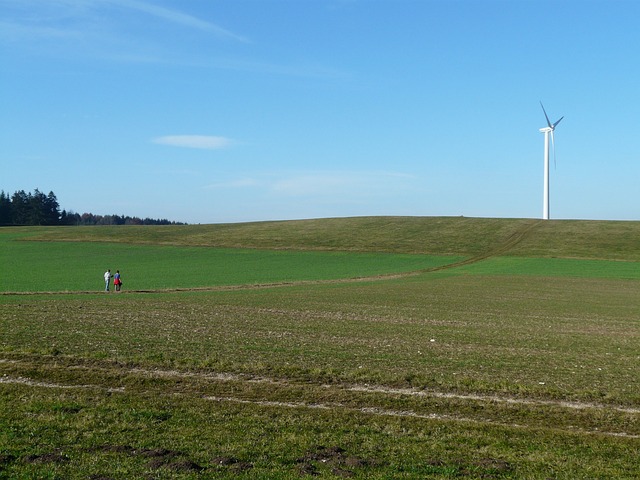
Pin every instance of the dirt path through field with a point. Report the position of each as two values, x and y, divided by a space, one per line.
514 239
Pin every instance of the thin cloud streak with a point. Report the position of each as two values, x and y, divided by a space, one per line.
16 31
239 183
177 17
331 183
322 183
205 142
81 10
81 27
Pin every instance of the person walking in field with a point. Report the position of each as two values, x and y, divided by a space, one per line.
107 280
116 281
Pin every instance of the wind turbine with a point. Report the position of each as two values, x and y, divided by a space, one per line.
547 130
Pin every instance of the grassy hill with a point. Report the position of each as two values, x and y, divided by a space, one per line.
611 240
290 360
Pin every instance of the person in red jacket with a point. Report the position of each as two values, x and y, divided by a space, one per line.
117 282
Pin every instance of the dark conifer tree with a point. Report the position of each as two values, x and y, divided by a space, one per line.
5 209
36 208
20 208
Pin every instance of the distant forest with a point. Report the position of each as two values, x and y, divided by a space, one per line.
36 208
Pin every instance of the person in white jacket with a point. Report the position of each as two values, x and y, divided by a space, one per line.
107 280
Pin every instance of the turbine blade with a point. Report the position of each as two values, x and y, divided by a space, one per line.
554 125
546 116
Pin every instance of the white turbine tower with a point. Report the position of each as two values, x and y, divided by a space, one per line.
547 130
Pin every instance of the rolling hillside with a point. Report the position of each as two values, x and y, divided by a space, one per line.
518 361
612 240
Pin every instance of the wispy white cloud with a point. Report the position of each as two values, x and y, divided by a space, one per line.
16 31
314 184
32 20
177 17
53 17
330 183
100 30
206 142
238 183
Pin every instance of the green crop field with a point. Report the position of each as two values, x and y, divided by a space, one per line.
79 266
339 348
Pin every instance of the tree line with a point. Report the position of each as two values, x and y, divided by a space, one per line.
36 208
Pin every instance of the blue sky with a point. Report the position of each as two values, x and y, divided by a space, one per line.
213 111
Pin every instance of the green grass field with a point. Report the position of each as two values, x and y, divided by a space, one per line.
341 348
79 266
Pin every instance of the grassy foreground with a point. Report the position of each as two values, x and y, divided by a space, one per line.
507 367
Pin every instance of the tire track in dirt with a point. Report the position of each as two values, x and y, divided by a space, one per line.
374 411
514 239
122 371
